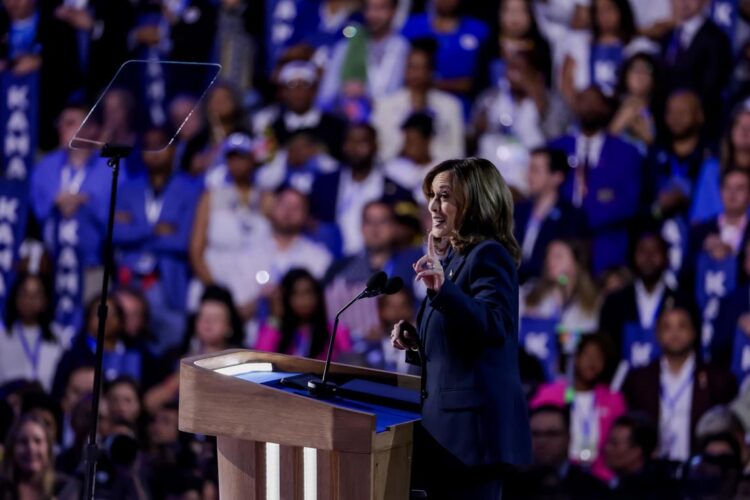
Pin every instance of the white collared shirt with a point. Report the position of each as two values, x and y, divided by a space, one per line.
293 121
732 235
648 303
675 404
690 28
584 419
593 145
352 198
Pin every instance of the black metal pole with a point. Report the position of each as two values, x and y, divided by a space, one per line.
91 451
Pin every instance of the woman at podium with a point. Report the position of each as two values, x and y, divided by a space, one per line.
474 415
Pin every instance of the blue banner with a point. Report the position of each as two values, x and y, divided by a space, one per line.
714 280
14 206
538 337
68 318
639 346
741 355
19 126
724 13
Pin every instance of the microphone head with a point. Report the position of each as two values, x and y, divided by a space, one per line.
393 285
377 281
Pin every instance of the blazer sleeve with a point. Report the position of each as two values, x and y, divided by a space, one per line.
487 313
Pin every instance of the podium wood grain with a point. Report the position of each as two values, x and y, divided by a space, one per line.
353 461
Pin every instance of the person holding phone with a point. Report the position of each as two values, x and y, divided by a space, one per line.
474 414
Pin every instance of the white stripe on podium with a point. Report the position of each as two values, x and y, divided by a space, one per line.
273 472
310 473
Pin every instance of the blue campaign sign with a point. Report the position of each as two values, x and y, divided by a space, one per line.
724 13
639 346
19 126
741 355
14 205
538 337
715 279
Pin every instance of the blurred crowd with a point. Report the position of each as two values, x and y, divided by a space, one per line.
246 217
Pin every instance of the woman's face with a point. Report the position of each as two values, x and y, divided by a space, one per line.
123 403
221 104
303 300
741 132
213 326
134 320
514 19
640 79
560 262
113 325
31 448
590 363
443 205
31 300
607 17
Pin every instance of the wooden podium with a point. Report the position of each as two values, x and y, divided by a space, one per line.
288 445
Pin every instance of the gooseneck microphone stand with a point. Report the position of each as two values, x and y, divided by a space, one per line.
321 387
114 153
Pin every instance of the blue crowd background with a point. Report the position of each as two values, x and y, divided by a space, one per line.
622 127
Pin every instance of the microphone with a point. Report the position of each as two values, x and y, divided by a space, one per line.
377 284
374 286
393 285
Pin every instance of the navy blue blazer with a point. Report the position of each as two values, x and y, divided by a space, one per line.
472 400
325 194
612 200
563 221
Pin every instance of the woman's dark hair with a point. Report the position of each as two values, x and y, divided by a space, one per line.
728 154
290 322
538 51
484 202
622 87
428 47
45 318
92 305
626 31
605 347
220 294
643 432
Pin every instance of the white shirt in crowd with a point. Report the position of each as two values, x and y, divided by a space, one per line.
648 303
391 111
584 423
675 404
352 198
25 355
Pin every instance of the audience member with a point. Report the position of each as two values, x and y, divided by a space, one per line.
629 315
347 277
459 40
341 196
565 291
302 327
419 94
28 347
697 54
545 216
28 466
594 407
638 91
675 165
552 475
370 64
605 181
410 166
686 387
229 232
299 85
153 220
629 451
